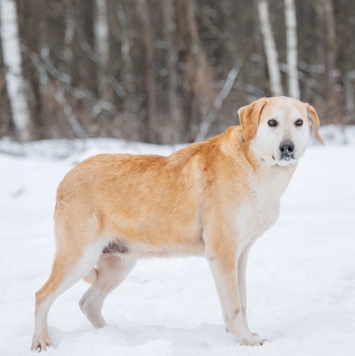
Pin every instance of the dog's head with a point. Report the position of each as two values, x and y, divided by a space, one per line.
278 128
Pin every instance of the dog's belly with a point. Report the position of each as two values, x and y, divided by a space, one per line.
178 233
195 248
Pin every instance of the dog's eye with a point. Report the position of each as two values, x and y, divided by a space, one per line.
272 123
299 122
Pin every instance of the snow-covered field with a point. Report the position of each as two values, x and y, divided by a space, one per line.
301 274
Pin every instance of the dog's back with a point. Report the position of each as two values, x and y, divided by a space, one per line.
152 205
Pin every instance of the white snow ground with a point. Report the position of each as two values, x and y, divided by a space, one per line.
301 274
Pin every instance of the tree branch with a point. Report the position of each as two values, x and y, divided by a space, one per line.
218 102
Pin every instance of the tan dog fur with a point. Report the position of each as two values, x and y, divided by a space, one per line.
211 199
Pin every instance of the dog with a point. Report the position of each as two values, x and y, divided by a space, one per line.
212 199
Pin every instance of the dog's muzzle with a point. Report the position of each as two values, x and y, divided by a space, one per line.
287 149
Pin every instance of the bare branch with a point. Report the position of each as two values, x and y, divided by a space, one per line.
72 119
218 102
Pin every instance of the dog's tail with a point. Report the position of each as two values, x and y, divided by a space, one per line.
91 277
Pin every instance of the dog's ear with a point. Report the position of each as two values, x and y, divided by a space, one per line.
313 117
249 118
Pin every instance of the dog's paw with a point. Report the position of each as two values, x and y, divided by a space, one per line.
40 343
254 341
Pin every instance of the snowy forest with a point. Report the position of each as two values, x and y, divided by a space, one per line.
168 71
80 78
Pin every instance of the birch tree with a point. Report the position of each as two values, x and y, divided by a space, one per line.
12 60
270 48
101 33
167 71
291 40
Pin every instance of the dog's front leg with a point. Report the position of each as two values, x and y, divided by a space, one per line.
242 270
224 262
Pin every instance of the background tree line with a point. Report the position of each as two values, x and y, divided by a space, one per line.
168 71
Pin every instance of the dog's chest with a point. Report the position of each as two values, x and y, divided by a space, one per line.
261 207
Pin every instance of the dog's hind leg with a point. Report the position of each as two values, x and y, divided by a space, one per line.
68 268
111 271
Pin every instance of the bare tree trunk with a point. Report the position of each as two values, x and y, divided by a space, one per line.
191 20
101 32
325 12
332 96
55 56
331 42
340 38
128 74
172 57
68 36
270 48
350 98
148 38
54 29
14 78
291 39
6 123
199 74
83 68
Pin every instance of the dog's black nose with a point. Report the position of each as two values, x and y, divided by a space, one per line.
286 148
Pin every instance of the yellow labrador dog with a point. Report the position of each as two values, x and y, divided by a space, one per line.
211 199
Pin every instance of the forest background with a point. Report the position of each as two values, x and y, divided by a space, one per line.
168 71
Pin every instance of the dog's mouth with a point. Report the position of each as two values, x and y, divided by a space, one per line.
284 160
